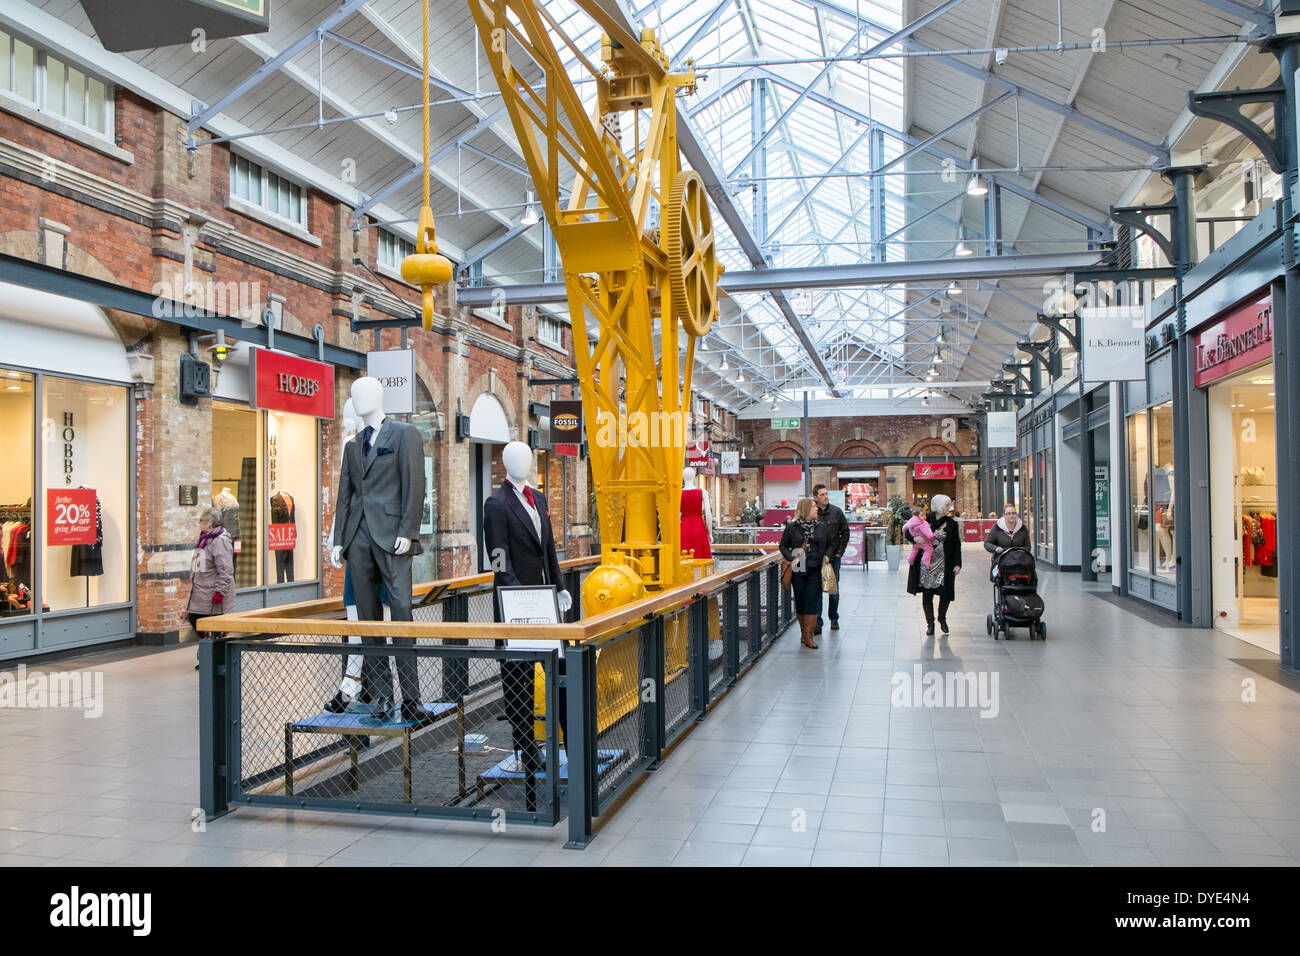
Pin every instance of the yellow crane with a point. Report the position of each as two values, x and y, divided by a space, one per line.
625 277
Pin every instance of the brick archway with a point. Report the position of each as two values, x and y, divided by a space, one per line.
933 448
783 449
858 448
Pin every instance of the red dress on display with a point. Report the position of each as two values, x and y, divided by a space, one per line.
695 536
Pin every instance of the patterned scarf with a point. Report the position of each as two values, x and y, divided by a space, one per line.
207 536
807 526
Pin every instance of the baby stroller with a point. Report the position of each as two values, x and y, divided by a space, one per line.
1015 599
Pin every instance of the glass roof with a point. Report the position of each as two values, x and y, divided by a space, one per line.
755 58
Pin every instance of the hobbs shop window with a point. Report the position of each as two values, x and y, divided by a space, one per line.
64 494
266 468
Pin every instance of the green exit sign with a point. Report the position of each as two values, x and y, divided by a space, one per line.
779 423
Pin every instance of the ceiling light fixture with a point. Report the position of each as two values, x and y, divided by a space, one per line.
740 377
977 186
530 216
725 367
955 288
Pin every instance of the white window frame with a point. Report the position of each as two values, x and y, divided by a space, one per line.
40 100
545 321
395 242
262 203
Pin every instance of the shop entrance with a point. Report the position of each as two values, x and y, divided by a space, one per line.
1243 503
489 431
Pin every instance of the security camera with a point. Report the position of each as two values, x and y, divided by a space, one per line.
390 115
1000 55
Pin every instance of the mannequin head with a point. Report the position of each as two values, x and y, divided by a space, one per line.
367 397
351 420
688 477
518 459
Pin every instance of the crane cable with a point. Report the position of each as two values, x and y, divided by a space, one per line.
425 267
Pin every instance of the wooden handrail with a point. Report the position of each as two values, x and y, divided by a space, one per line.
295 619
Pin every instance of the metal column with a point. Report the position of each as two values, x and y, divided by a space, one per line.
1286 365
1087 487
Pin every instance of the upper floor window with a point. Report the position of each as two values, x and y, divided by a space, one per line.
53 86
262 188
550 331
393 249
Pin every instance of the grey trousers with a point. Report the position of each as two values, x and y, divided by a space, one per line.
370 565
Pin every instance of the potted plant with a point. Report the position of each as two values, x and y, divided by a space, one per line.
894 549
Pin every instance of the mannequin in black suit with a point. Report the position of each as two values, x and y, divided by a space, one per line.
521 551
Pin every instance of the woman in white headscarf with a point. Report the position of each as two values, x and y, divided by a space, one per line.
940 577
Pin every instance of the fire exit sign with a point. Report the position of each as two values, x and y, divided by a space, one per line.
780 423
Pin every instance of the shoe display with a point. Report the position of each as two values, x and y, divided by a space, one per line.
336 704
413 710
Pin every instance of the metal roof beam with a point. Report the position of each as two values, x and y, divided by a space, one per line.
886 43
775 281
270 66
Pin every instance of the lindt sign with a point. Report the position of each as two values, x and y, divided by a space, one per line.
934 471
1237 341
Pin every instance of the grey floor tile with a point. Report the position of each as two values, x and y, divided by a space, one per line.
909 845
920 826
965 848
845 858
1059 853
1034 813
777 856
699 852
1042 833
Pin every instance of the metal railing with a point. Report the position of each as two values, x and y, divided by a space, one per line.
487 729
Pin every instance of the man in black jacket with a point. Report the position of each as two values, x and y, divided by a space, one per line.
837 539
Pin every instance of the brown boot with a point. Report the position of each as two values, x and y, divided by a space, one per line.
807 623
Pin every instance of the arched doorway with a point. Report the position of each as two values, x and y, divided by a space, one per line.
489 430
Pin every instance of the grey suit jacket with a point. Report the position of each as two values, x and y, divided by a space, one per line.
386 486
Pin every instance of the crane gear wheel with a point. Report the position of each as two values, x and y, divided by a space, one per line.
692 256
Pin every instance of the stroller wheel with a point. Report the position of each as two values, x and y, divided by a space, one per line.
1042 631
988 624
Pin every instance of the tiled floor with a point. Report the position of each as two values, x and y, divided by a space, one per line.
1116 742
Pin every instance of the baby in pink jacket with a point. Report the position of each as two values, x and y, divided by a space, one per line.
922 539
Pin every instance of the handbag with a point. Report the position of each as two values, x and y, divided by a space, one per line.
829 584
1142 522
787 573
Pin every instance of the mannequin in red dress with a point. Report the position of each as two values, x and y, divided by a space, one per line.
697 519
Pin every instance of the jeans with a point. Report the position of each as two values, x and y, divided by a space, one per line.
807 587
834 598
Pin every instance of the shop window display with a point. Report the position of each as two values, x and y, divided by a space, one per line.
17 408
78 417
264 480
73 523
1162 489
1139 482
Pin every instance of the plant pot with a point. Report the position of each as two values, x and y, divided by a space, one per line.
893 555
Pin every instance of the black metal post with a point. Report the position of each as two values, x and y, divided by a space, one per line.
807 452
731 629
214 718
580 741
1286 366
1087 487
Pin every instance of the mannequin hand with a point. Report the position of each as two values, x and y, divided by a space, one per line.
566 602
401 546
956 570
336 557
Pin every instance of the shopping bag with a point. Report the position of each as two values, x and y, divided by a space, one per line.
829 584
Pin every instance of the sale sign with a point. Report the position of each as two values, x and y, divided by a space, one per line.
281 537
70 516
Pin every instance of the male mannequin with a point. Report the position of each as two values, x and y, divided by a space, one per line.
696 518
521 551
380 497
350 681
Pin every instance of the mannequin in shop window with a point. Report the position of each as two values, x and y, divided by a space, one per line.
1164 517
228 504
282 513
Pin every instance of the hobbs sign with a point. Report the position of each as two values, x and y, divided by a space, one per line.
286 383
395 370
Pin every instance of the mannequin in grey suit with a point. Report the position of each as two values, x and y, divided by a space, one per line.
377 520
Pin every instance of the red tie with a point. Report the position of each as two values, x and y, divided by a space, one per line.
528 496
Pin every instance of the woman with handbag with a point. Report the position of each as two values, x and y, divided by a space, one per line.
941 576
212 569
803 545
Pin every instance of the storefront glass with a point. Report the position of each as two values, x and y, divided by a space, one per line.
84 438
17 414
264 480
1139 489
1025 507
1162 489
83 433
